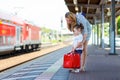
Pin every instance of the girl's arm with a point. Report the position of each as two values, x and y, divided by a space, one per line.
73 49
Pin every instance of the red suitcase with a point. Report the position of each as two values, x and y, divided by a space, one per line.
71 60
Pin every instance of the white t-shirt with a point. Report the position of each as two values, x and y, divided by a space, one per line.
76 40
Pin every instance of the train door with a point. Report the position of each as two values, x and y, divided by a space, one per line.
29 34
18 35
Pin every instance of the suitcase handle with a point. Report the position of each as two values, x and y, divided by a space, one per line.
72 52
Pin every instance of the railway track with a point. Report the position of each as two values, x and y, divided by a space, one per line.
19 59
48 66
18 53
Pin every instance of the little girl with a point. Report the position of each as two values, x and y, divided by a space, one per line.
78 37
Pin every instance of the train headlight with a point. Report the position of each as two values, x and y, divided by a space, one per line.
0 22
4 31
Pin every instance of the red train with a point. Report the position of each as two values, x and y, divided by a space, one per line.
16 34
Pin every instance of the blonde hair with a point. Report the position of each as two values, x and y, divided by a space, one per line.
72 17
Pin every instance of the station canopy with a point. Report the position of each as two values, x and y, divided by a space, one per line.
92 8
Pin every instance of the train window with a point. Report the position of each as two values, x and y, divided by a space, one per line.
1 40
9 40
4 40
18 34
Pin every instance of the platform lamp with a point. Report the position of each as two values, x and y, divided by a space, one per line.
76 8
61 28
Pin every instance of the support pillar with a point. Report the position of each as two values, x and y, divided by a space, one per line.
112 50
102 26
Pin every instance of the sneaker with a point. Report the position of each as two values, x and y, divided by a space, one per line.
77 70
71 70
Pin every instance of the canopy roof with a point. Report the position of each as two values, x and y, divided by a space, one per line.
92 8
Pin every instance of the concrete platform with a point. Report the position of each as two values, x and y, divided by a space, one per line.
100 66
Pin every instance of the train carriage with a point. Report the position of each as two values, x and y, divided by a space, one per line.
17 34
7 37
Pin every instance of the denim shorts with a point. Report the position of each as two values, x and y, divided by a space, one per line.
78 51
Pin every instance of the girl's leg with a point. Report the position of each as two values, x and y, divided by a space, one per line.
84 55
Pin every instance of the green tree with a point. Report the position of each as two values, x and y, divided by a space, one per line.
118 25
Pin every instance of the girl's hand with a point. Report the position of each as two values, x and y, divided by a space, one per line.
73 49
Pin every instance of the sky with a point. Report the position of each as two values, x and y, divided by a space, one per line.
46 13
